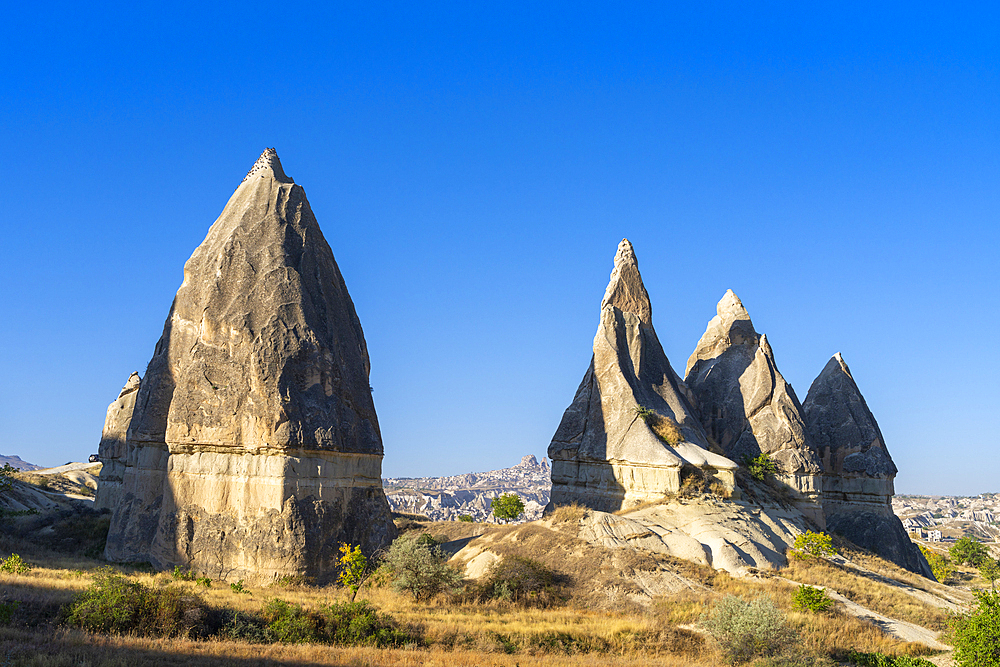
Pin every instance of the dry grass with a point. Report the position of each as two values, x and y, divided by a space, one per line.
665 428
571 513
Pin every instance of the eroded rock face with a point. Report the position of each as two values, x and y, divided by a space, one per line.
747 407
603 454
859 473
254 447
112 451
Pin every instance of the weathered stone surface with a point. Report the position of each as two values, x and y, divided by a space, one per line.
111 451
747 407
254 447
859 473
603 454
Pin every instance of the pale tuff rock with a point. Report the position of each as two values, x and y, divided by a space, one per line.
747 407
112 451
254 448
603 454
859 473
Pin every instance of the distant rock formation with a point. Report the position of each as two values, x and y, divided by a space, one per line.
747 407
604 454
111 451
859 473
17 462
254 447
448 498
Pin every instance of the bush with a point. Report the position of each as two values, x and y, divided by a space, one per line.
467 518
745 630
204 581
519 580
989 570
14 565
507 506
968 551
247 628
976 635
289 623
7 610
940 566
811 599
238 587
809 544
182 575
882 660
7 473
565 513
359 623
760 466
420 569
664 428
117 605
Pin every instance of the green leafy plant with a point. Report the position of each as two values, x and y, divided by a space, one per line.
976 635
7 610
507 506
420 569
810 544
7 477
989 570
467 518
760 466
746 630
359 623
811 599
116 604
238 587
941 567
518 580
289 623
183 575
204 581
968 551
14 564
882 660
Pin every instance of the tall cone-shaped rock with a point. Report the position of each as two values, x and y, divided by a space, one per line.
604 454
859 473
747 407
112 450
254 448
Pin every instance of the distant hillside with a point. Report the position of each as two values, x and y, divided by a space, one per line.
447 498
16 462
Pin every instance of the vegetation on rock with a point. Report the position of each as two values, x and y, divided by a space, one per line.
810 544
665 428
760 466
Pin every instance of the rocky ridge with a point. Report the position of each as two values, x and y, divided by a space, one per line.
448 498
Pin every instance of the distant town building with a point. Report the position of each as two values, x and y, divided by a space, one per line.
934 535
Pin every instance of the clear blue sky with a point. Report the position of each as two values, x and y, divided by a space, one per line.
474 165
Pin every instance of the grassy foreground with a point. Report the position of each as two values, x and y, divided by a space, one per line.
452 630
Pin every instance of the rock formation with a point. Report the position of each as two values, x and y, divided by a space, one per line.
747 407
604 454
859 473
111 451
254 448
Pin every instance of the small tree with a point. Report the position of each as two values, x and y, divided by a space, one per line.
7 477
354 570
976 636
989 569
744 630
940 566
760 466
420 569
812 599
507 506
810 544
968 551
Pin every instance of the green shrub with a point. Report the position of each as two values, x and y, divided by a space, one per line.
745 630
809 544
882 660
519 580
289 623
940 566
247 628
467 518
359 623
115 604
7 610
968 551
507 506
811 599
976 635
182 575
14 565
420 569
989 570
760 466
7 473
238 587
204 581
